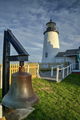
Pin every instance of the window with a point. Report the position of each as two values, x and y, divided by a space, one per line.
46 54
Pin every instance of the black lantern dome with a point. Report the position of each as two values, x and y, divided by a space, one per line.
51 26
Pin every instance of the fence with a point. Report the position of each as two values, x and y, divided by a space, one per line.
62 72
58 72
49 65
29 67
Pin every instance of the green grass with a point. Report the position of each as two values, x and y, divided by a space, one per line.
57 101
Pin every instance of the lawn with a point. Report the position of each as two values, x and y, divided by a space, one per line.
58 101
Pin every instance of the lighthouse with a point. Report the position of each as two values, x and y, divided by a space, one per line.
51 43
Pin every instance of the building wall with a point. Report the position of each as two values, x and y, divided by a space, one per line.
52 38
59 59
65 59
71 59
50 47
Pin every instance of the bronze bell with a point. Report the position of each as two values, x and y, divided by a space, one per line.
20 94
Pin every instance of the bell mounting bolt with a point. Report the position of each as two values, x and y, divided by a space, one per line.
21 69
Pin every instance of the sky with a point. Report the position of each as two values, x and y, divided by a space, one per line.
27 19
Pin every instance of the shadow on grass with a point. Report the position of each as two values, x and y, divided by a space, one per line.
73 79
58 101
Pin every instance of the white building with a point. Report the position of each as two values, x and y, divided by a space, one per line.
51 47
51 43
70 56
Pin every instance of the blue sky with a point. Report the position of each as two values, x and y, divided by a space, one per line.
27 19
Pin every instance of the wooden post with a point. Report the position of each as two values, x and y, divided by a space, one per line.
28 68
67 70
79 65
51 71
73 66
38 71
57 75
6 64
0 76
1 111
63 73
70 68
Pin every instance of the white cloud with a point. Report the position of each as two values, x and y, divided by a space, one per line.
27 20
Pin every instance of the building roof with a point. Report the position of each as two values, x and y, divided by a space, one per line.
51 22
51 28
70 52
60 54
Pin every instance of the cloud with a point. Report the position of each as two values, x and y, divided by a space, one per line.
27 19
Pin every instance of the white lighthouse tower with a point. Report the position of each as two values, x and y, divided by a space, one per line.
51 43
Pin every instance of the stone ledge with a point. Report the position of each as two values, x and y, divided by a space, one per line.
19 114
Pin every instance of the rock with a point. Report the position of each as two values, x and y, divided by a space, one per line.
19 114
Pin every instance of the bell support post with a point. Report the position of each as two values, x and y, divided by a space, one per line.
22 56
6 63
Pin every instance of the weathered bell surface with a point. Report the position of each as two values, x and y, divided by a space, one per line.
20 94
